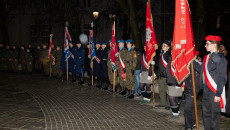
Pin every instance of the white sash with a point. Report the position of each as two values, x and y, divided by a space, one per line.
144 61
163 61
212 84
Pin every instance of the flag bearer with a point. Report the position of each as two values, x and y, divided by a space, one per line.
57 67
212 80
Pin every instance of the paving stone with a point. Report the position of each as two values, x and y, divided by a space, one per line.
44 103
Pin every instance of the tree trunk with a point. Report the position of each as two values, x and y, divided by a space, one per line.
134 26
129 9
200 25
3 30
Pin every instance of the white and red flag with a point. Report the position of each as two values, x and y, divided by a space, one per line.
151 41
183 50
114 49
51 42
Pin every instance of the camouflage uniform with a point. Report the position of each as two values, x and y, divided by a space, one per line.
22 60
2 60
8 59
52 61
29 62
123 54
14 60
110 72
38 63
57 67
130 65
45 61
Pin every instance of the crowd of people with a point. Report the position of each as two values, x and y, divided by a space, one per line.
133 75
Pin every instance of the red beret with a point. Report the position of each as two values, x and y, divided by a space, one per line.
197 53
213 37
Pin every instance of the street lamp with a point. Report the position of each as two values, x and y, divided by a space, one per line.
95 15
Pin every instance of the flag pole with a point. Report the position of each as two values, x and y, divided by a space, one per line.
92 72
50 67
67 71
114 72
152 64
194 96
153 85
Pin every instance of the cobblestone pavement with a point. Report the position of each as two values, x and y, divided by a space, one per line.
36 102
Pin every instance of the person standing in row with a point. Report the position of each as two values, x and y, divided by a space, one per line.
37 55
164 58
130 66
80 60
121 68
29 61
14 59
57 67
103 64
137 72
189 113
96 65
212 80
145 78
22 59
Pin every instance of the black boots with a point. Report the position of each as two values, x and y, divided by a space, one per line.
105 86
123 91
98 85
131 94
74 79
81 82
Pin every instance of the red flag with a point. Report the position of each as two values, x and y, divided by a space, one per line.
151 41
114 50
51 42
183 51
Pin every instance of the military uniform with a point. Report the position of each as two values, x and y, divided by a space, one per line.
14 60
45 61
122 56
22 60
130 65
29 62
38 63
8 59
80 60
57 67
2 59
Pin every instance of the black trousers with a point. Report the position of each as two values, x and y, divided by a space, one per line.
189 113
211 111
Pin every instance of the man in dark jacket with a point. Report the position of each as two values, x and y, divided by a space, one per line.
96 65
80 60
104 68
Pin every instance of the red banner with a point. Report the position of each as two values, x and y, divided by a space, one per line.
50 48
183 50
151 41
114 49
